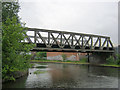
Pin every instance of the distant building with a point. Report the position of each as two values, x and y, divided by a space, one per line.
73 56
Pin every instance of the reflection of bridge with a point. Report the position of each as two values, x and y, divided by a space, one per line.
51 40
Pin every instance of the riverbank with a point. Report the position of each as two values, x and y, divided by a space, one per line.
17 75
74 62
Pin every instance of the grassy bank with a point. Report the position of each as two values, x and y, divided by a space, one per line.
58 61
110 65
72 62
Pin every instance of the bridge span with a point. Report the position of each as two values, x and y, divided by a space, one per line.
62 41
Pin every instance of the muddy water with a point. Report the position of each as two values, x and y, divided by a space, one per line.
67 76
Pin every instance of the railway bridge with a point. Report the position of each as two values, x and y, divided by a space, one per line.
61 41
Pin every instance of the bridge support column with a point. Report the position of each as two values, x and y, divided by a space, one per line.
77 57
99 57
88 57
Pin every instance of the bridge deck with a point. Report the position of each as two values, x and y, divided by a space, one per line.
55 48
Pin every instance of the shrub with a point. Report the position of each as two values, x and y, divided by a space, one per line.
40 55
84 60
64 57
118 59
112 60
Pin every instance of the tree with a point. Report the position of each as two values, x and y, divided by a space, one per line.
15 54
9 10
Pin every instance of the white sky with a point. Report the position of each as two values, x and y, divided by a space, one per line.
84 16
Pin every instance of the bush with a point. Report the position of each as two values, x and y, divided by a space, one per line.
40 55
112 60
118 59
64 57
84 60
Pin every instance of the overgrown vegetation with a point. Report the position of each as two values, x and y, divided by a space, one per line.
113 60
59 61
15 55
39 72
45 60
64 56
84 60
40 56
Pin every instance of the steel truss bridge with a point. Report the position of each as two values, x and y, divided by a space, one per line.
62 41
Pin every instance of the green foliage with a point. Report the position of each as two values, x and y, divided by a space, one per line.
40 55
45 61
15 55
59 61
9 10
83 60
118 59
64 57
112 60
39 72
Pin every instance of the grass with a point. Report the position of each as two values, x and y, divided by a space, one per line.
39 72
112 65
45 61
58 61
83 61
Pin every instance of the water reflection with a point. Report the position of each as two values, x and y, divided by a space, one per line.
70 76
80 76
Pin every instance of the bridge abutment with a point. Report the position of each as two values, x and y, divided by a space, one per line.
98 57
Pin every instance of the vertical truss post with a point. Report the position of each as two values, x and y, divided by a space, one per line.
35 36
82 41
108 43
48 38
88 57
72 40
99 42
91 42
61 39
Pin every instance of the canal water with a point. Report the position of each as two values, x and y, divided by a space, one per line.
48 75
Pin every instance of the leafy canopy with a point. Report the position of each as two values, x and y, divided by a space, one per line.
15 54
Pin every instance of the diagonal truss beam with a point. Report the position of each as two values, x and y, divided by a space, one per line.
28 39
70 39
42 38
77 41
67 39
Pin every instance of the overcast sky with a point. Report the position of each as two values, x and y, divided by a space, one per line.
84 16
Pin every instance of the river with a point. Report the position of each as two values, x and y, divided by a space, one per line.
49 75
